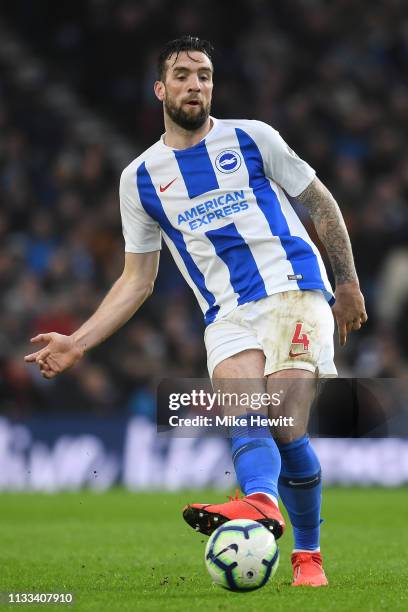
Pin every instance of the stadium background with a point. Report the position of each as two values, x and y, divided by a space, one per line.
76 105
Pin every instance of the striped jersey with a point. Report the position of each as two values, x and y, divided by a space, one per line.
222 209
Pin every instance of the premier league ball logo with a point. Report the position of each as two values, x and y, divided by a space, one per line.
228 161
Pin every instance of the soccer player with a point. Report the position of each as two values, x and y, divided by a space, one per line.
216 191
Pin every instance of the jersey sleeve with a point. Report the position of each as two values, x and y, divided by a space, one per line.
281 164
141 233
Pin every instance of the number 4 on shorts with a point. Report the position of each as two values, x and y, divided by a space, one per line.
299 338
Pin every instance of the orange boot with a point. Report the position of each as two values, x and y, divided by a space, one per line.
308 569
256 507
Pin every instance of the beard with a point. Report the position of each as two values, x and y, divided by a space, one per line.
190 121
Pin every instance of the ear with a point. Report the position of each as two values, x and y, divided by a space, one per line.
159 90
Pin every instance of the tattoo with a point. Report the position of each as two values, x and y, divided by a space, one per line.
331 229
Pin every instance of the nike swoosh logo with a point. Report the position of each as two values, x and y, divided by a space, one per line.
298 484
292 354
233 547
167 186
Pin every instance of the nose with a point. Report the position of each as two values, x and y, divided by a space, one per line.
194 83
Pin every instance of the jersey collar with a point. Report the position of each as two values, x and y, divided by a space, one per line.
209 136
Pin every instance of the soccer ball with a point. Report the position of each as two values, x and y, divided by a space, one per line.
241 555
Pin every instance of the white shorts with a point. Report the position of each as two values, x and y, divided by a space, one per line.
294 329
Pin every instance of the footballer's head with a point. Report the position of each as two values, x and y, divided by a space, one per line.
185 81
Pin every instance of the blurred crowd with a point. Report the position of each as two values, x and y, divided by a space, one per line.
332 77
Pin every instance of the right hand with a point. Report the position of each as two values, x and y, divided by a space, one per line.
59 354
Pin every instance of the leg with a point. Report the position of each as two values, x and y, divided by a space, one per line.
300 480
295 330
255 454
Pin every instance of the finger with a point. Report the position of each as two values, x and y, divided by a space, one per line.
356 325
53 365
42 355
342 329
47 374
44 365
363 317
31 357
41 338
48 368
349 326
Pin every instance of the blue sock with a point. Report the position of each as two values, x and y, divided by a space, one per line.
300 488
256 459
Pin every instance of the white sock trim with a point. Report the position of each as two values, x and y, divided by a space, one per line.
271 497
296 550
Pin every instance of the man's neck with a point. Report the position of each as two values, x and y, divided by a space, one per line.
179 138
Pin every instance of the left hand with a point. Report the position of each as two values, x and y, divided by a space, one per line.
349 309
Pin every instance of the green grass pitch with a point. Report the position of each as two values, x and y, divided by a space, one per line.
132 551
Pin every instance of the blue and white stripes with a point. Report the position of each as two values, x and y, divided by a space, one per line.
232 233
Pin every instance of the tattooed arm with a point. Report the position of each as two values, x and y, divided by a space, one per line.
349 310
331 230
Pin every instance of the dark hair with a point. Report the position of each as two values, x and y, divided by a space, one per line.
184 43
